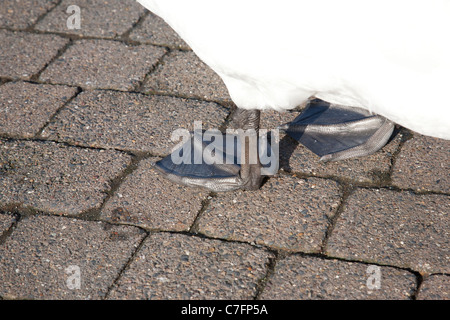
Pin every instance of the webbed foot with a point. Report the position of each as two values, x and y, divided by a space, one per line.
218 163
337 132
218 175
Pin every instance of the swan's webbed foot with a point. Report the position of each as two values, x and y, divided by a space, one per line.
337 133
217 178
212 162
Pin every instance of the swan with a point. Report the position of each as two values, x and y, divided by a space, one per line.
377 64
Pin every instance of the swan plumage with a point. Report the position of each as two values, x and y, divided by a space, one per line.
389 57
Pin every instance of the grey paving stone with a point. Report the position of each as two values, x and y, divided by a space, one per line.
394 228
435 287
176 266
21 14
106 19
24 54
184 74
154 30
103 64
423 164
43 256
286 213
25 107
6 221
307 278
130 121
148 200
55 178
271 119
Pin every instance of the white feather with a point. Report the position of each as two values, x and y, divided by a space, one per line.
390 57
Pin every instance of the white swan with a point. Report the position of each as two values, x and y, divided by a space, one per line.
391 58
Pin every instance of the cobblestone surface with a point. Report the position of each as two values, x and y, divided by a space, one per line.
153 30
103 64
55 178
26 107
299 277
42 257
436 287
128 121
104 18
423 165
85 112
6 221
286 213
23 14
184 74
22 54
145 199
177 266
385 226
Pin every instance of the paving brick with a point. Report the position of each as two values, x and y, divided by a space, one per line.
106 18
176 266
21 14
394 228
130 121
25 107
154 30
6 221
43 256
184 74
305 278
55 178
148 200
435 287
423 164
103 64
24 54
286 213
271 119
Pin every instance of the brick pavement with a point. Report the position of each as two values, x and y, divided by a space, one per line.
84 113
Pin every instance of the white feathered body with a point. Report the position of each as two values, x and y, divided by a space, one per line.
391 57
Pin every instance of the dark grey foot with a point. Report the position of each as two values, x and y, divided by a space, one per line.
337 133
201 168
214 161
